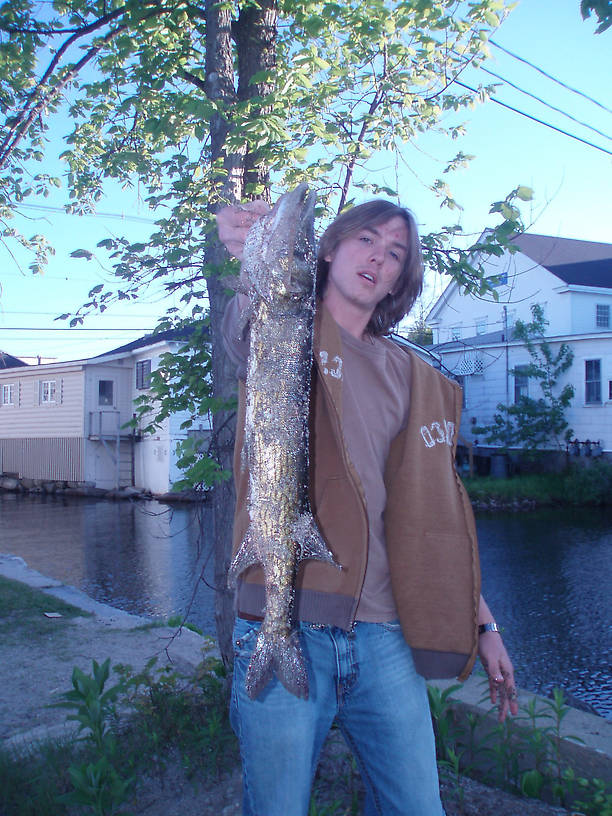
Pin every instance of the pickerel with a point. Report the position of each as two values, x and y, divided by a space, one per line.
278 272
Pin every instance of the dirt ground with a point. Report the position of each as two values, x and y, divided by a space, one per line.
35 671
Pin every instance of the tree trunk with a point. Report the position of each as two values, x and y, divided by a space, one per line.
220 87
255 33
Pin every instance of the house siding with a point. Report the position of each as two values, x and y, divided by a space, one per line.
29 418
55 459
81 435
527 283
570 310
483 392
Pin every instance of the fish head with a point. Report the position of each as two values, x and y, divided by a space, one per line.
279 258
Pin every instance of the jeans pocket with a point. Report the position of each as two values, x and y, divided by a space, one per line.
245 635
391 626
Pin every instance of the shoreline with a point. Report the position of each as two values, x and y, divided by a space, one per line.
36 672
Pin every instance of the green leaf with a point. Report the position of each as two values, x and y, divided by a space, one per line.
524 193
82 253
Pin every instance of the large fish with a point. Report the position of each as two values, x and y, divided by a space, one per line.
278 273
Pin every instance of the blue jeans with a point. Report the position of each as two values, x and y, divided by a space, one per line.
364 680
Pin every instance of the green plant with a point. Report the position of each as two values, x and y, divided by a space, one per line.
588 485
599 797
440 706
33 778
97 784
535 423
522 755
178 622
98 787
187 713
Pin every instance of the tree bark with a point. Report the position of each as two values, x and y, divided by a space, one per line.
255 33
230 187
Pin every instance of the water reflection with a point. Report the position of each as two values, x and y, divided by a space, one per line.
145 557
546 575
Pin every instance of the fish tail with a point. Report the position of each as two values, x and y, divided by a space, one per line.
310 541
284 659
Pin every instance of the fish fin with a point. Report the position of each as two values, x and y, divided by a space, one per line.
247 556
244 318
310 542
299 280
284 659
239 283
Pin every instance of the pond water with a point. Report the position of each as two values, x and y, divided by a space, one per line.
546 575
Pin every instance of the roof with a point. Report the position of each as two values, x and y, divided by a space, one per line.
150 340
577 263
549 251
8 361
589 273
493 338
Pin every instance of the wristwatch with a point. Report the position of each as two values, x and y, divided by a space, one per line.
488 627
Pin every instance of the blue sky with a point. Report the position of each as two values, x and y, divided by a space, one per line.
572 182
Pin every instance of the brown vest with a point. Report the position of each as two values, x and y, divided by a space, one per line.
429 524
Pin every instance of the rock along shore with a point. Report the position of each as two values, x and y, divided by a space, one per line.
60 487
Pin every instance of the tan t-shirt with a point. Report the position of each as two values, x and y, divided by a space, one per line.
375 402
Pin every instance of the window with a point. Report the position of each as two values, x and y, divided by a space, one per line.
8 394
143 374
105 392
521 383
481 325
602 316
610 389
456 333
592 381
47 391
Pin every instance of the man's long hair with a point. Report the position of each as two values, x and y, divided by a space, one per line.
392 307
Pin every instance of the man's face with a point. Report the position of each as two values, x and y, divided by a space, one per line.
366 265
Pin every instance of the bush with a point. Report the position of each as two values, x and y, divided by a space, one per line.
577 485
588 485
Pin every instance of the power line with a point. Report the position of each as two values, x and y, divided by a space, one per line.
543 102
54 314
69 329
535 119
550 76
62 211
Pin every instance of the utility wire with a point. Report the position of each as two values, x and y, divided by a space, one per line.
543 102
71 329
535 119
550 76
54 314
62 211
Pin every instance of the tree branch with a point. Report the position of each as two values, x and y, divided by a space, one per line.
41 97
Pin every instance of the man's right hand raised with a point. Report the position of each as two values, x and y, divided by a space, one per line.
234 222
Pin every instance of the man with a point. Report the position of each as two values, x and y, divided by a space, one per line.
406 604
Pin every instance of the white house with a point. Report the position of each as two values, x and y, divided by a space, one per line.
66 421
572 281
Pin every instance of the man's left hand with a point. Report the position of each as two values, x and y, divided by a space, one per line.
499 669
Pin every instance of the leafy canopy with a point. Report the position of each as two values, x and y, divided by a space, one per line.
201 103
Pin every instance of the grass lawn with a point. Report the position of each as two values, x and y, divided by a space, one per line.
22 607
